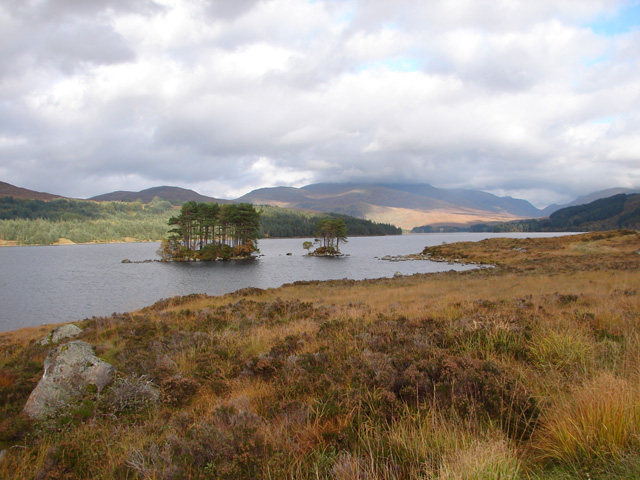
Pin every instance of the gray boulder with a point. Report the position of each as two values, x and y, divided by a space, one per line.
68 370
60 333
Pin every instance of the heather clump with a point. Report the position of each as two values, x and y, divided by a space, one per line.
226 445
468 386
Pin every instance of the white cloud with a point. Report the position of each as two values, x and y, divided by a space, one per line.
228 96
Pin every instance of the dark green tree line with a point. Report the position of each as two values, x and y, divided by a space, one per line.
279 222
63 209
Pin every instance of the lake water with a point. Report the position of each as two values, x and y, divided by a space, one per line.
53 284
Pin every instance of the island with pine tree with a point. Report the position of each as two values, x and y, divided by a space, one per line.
209 231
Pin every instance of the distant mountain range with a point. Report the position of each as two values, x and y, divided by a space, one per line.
407 206
175 195
403 205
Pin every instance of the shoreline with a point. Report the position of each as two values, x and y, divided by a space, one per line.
34 332
66 241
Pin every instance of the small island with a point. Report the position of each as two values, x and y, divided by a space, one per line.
330 232
209 231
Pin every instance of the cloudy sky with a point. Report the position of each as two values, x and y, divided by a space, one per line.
534 99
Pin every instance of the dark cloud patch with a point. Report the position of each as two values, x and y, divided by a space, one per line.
53 10
225 10
71 45
61 41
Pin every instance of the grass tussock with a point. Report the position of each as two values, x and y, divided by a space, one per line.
524 371
597 422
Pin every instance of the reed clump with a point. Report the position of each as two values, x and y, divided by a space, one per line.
524 371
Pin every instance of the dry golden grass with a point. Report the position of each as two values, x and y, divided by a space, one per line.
482 459
599 420
407 218
25 335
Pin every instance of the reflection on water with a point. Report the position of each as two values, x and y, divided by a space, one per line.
41 285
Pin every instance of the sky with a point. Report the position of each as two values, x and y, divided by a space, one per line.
533 99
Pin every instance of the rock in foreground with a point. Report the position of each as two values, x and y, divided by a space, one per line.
67 371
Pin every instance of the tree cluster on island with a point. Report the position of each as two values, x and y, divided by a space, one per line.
209 231
329 233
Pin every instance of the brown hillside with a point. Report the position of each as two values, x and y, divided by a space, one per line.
8 190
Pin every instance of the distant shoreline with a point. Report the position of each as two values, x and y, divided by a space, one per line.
66 241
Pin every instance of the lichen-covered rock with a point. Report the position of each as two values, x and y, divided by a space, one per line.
67 371
60 333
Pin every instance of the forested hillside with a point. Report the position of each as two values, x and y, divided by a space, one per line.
617 212
66 209
620 211
286 222
36 222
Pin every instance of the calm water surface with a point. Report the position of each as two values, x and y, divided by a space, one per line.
53 284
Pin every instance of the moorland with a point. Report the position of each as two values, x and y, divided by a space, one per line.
527 369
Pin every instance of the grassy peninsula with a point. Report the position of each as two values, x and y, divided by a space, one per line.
528 370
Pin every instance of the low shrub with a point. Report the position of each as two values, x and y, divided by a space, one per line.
229 445
178 390
131 395
469 386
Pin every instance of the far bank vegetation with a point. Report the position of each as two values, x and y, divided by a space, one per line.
620 211
38 222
